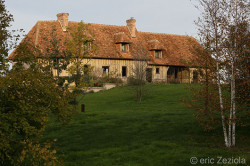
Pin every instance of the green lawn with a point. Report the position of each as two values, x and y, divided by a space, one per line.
160 131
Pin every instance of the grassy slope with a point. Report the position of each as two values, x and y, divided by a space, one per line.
115 130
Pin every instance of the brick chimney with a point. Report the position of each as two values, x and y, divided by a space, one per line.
63 19
131 26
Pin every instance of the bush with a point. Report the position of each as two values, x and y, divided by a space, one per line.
109 79
134 82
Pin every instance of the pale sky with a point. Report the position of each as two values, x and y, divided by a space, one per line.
161 16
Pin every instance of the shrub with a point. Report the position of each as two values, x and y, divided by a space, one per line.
134 82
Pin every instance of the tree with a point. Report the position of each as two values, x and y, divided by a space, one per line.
5 20
242 71
56 56
139 70
234 44
204 95
80 46
215 30
28 95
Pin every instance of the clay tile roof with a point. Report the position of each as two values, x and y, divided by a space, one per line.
155 45
121 37
176 50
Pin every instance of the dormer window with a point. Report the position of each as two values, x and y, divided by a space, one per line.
87 46
124 47
158 53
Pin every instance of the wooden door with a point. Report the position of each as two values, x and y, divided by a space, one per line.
149 74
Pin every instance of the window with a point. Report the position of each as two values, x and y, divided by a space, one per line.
124 47
86 69
157 71
124 71
158 53
105 70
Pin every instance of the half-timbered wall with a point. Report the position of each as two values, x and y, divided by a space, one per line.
159 73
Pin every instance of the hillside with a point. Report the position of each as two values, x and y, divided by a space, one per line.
160 131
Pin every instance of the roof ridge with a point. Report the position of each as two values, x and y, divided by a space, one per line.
156 33
99 24
47 21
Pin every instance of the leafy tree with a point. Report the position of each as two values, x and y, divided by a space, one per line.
237 45
56 55
5 20
80 47
216 32
204 95
28 95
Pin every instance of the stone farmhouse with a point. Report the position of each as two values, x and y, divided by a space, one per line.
169 55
